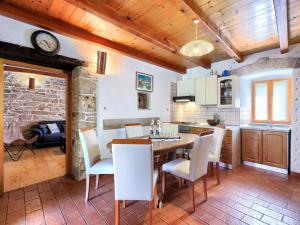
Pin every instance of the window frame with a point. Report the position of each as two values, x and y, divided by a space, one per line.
270 101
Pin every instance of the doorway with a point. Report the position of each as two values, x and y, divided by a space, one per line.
51 156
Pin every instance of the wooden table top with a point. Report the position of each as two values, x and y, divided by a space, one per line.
162 147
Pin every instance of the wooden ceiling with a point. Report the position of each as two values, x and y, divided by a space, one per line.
154 30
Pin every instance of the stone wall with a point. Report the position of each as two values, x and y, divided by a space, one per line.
45 102
83 114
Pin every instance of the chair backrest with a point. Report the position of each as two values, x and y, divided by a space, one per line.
90 146
134 130
199 157
169 128
133 166
218 136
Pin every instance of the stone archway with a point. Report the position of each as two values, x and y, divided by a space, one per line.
84 113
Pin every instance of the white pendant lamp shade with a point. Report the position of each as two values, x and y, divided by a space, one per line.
196 48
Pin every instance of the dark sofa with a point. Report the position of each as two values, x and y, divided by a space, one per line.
46 139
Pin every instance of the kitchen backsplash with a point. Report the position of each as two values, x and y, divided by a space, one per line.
195 113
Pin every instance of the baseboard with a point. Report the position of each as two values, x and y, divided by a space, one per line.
265 167
226 165
295 174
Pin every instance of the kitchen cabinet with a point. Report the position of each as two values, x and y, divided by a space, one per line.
252 146
186 88
265 147
228 92
200 91
275 149
231 150
206 90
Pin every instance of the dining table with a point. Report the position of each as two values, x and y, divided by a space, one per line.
167 145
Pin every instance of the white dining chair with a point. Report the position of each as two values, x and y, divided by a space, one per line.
94 165
193 169
215 151
134 176
134 130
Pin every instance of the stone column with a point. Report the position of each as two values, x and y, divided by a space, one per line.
83 113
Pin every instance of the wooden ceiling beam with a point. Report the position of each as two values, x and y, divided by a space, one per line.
191 8
46 22
280 7
124 22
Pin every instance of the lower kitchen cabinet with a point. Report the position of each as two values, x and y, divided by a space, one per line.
265 147
252 146
275 146
231 151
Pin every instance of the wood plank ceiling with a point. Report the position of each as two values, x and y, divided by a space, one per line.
154 30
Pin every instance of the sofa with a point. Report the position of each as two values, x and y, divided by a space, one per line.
45 138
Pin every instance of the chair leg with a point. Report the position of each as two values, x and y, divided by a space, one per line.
97 182
155 199
164 184
117 212
87 187
124 204
192 197
181 181
150 207
211 168
205 187
218 172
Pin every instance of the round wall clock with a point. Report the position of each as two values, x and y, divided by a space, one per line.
45 42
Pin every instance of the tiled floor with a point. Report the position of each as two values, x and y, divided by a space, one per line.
245 196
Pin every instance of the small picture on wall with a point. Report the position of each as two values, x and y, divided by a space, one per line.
143 100
144 82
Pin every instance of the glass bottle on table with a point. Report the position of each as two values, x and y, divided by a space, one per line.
152 127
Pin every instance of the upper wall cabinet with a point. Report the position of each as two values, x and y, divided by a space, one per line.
206 90
186 88
228 92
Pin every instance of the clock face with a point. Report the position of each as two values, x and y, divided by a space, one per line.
45 42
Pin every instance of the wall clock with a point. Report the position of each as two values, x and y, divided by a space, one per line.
45 42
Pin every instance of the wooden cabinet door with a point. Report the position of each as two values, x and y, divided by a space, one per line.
211 90
275 149
252 146
200 90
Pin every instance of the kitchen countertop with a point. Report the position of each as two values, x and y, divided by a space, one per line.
206 125
280 128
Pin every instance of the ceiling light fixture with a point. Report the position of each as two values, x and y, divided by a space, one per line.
197 47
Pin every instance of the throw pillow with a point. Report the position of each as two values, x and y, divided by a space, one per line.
53 128
44 128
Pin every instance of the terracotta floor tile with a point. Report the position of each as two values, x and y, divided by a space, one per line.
35 218
245 196
268 212
16 217
271 221
74 218
33 205
30 195
16 205
251 221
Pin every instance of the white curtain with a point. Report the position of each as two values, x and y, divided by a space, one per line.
261 101
280 90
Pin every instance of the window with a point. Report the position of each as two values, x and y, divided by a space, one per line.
271 101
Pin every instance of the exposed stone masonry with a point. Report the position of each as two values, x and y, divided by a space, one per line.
83 114
45 102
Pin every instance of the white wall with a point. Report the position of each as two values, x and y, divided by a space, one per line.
115 91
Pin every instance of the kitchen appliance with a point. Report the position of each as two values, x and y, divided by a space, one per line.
183 99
